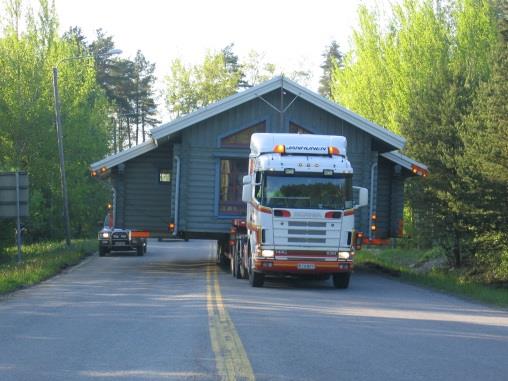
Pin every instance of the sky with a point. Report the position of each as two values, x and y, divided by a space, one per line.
291 34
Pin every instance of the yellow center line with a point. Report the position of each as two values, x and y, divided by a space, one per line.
231 359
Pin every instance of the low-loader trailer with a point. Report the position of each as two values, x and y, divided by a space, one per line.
300 210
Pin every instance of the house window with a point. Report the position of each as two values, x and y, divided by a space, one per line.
296 129
164 176
241 139
231 175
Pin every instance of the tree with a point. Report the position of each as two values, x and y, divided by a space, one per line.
193 87
332 58
28 51
144 97
484 166
256 69
419 77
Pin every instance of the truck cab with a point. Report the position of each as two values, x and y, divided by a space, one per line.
300 208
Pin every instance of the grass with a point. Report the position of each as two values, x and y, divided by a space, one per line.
407 264
40 261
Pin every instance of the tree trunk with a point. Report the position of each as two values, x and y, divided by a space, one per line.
129 132
456 249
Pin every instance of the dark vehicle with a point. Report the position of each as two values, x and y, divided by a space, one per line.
119 239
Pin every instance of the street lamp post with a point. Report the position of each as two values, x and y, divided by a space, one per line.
59 134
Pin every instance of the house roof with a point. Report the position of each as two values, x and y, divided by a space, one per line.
406 162
123 156
232 101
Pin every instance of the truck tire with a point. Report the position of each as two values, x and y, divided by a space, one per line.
139 250
235 261
102 251
232 264
221 259
341 280
255 279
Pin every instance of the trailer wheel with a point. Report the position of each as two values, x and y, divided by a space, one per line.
341 280
243 258
232 264
221 259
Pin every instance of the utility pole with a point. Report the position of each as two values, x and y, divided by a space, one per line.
63 179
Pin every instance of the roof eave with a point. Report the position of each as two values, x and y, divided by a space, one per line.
215 108
123 156
371 128
403 160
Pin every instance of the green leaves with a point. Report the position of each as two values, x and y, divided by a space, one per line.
433 74
193 87
27 123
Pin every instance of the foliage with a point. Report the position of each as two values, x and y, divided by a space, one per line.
27 133
332 58
406 265
129 85
431 76
190 88
41 261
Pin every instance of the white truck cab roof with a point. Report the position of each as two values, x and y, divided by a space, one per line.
297 144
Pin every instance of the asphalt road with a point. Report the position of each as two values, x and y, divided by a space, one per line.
172 315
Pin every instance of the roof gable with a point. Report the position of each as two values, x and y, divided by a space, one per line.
167 129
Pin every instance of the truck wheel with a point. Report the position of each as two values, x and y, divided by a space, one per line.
341 280
139 250
102 251
235 261
255 279
221 259
232 264
237 264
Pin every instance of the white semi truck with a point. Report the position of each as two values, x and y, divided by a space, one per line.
300 210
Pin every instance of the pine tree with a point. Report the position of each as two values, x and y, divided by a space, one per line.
332 58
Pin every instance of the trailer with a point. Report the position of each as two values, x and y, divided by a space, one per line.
186 179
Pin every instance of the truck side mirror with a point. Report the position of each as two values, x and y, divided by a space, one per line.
247 179
363 197
247 192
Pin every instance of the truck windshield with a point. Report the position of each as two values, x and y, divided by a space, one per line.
305 191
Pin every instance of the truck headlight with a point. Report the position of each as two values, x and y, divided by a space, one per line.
105 235
267 253
343 254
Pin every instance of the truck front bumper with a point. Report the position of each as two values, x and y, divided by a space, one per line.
121 244
298 267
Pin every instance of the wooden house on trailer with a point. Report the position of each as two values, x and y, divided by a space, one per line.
190 171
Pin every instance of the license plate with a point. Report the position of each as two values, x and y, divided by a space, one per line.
119 243
306 266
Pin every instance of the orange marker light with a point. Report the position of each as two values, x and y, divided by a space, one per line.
103 169
94 173
333 151
279 148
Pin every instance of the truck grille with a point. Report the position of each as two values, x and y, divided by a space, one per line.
306 240
119 236
307 233
307 224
